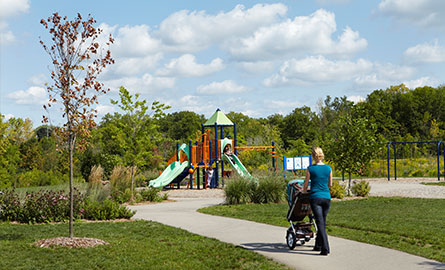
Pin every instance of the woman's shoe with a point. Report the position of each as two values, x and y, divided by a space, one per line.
324 253
316 249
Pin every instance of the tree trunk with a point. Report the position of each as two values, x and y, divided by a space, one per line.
71 148
349 185
131 183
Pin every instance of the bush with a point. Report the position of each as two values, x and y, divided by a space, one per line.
151 195
337 190
39 207
105 210
120 178
121 196
96 176
238 190
40 178
361 189
269 190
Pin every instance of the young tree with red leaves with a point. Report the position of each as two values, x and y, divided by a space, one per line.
77 58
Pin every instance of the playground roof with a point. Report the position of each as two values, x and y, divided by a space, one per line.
219 118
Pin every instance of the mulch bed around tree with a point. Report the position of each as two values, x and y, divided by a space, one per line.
74 242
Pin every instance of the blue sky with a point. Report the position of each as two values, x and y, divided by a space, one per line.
258 58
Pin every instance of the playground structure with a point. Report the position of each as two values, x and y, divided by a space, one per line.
394 144
207 151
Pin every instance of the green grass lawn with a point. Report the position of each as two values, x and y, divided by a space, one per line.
134 245
416 226
433 183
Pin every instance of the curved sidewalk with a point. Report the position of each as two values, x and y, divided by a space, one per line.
269 240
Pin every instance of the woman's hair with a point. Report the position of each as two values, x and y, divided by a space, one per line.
317 154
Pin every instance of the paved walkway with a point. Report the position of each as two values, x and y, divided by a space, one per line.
269 240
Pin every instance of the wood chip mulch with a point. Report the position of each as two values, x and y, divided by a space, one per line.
74 242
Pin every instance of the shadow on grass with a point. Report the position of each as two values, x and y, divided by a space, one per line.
11 237
280 248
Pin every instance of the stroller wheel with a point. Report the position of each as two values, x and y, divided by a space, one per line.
291 240
307 238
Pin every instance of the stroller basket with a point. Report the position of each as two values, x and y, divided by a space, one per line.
299 208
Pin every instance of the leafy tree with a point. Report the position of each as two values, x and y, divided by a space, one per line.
181 126
355 144
136 131
77 59
301 123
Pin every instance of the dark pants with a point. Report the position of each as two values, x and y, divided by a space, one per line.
320 209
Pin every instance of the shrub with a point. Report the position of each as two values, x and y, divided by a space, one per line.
269 190
105 210
121 196
361 189
337 190
151 194
238 191
39 178
120 178
96 176
10 208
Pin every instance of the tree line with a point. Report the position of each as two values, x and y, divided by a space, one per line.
145 137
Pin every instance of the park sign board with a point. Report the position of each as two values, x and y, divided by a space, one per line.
296 163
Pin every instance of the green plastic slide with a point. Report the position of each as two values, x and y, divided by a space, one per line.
238 166
172 171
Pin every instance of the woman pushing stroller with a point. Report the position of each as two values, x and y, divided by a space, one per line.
320 175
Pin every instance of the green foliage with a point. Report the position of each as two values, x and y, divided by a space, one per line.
40 178
269 189
361 188
105 210
337 190
181 126
239 190
151 195
53 206
38 207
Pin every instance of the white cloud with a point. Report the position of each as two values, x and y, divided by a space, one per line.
425 53
332 2
190 31
224 87
146 83
186 66
318 69
424 13
356 99
37 80
125 66
10 8
304 34
8 116
135 41
420 82
104 109
257 67
34 95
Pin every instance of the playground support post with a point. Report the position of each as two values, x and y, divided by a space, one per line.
216 154
395 156
273 156
235 140
190 162
222 162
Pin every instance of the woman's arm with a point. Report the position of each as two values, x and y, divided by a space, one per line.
330 180
306 180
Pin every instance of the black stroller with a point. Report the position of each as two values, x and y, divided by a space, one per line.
299 208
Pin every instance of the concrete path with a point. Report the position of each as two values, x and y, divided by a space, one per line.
270 240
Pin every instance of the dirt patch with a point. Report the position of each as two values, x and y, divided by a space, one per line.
74 242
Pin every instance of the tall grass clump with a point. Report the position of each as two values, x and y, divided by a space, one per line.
120 178
270 189
96 176
238 190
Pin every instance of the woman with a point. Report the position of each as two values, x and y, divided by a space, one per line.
320 197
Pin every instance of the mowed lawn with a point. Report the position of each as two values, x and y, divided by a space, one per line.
416 226
134 245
